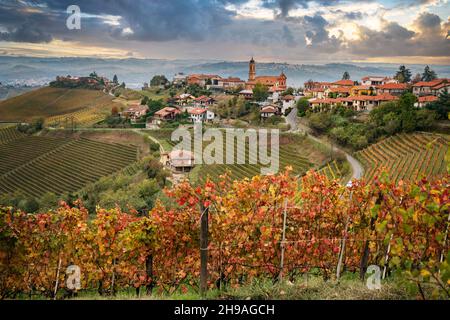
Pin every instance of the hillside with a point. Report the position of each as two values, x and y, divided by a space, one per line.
406 156
35 165
52 103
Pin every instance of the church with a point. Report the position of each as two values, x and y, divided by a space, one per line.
274 83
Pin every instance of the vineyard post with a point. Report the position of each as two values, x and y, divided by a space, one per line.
342 250
445 239
203 249
283 240
386 258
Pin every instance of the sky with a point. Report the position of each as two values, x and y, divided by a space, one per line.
292 31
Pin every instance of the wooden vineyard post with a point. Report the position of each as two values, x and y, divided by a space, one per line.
283 240
386 258
203 250
343 243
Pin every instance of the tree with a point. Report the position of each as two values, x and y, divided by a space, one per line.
442 106
320 121
260 92
428 74
289 91
417 78
93 75
346 76
159 80
302 107
115 79
403 75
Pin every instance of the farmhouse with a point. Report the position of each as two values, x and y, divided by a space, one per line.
203 79
338 92
179 160
165 114
231 83
357 103
203 101
247 94
274 83
269 111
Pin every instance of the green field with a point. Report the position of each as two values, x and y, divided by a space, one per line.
50 102
37 165
406 156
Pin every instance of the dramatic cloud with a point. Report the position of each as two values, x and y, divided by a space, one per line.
286 30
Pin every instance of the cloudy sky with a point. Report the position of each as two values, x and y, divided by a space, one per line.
295 31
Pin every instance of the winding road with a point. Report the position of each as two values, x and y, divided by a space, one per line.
296 126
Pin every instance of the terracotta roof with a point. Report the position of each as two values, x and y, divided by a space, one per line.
361 88
197 111
429 83
288 97
166 111
340 89
325 100
203 98
393 86
269 109
428 99
137 108
344 83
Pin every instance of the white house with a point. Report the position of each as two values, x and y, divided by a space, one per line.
201 115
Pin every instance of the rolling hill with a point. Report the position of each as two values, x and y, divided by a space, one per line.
50 102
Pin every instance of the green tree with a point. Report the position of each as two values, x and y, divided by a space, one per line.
320 121
442 106
346 76
302 107
428 74
260 92
403 75
115 79
159 80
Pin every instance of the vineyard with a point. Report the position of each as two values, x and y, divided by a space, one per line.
57 104
295 151
8 134
37 165
401 228
406 156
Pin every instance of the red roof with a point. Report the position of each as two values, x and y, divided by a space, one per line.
430 83
340 89
428 99
344 83
197 111
393 86
269 109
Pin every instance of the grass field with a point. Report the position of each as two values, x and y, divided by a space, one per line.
37 165
406 156
56 102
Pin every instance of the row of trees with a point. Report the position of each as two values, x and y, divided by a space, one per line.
329 227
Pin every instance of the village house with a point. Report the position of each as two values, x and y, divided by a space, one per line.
201 115
337 92
231 83
376 80
395 89
247 94
288 101
361 90
135 112
269 111
312 85
424 100
165 114
184 99
274 83
342 83
203 101
179 79
178 160
434 87
203 79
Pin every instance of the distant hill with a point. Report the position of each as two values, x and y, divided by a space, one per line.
49 102
134 72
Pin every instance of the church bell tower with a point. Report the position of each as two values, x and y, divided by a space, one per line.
251 70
